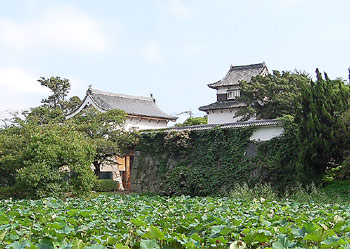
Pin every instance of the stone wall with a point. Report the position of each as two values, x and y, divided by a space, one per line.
210 162
143 174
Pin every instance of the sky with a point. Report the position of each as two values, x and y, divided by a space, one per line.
170 48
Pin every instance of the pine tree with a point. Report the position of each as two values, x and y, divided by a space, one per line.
271 96
58 99
321 129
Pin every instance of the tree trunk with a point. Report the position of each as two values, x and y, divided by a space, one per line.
97 170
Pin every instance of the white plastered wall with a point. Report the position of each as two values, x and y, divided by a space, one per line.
144 124
266 133
222 90
222 116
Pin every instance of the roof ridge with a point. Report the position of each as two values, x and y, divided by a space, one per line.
257 65
239 73
96 91
259 122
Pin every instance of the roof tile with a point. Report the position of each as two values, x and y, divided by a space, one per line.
133 105
240 73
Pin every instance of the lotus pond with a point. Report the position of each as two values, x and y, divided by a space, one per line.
138 221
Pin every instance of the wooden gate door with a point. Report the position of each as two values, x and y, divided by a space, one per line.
125 165
126 174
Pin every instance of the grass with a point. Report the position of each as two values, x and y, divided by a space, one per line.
336 192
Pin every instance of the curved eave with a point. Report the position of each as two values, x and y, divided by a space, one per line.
89 100
212 107
214 85
86 101
152 117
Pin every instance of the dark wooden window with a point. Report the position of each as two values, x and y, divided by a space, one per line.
221 97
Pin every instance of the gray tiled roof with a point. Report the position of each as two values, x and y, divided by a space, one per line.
240 73
132 105
266 122
227 104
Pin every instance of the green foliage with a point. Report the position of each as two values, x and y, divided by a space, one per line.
127 221
177 142
277 158
37 159
212 162
46 155
12 192
338 190
244 192
104 130
306 193
271 96
321 129
59 88
197 162
194 121
72 104
42 115
105 185
12 146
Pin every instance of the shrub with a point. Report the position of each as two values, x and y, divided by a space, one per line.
39 180
244 192
11 192
40 155
306 193
105 185
339 190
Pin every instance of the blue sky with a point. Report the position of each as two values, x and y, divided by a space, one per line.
171 48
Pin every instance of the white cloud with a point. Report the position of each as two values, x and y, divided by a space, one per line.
64 27
19 80
151 52
19 89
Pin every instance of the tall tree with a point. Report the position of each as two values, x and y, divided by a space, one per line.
35 158
43 115
72 104
321 128
60 89
106 131
271 96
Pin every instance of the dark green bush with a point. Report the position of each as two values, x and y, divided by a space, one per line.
41 157
11 192
105 186
340 189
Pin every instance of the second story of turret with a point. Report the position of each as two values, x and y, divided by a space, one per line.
228 87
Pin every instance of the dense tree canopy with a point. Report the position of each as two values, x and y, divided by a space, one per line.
106 131
271 96
37 152
194 121
37 158
58 99
322 132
